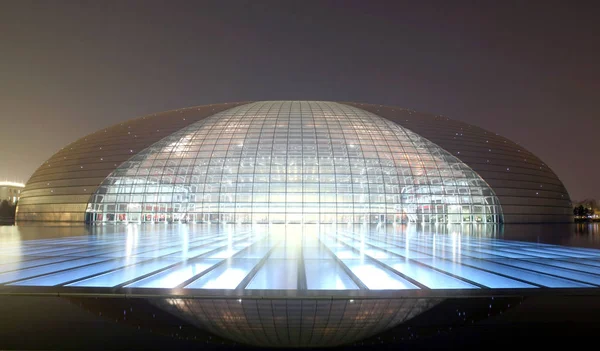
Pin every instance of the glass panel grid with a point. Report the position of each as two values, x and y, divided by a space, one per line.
294 162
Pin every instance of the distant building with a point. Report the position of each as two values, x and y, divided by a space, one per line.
10 191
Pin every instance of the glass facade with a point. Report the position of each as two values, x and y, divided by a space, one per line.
294 162
528 190
60 189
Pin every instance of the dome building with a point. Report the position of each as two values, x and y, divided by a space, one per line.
307 197
294 162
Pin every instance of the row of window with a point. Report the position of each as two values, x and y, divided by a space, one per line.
360 187
291 218
293 197
300 207
289 160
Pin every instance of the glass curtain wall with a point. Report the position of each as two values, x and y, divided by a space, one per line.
294 162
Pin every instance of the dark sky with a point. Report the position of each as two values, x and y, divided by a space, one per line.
527 70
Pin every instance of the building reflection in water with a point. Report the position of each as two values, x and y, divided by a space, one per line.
295 322
296 285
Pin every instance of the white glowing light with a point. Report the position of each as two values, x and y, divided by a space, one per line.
15 184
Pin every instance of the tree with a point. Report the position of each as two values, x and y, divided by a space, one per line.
583 212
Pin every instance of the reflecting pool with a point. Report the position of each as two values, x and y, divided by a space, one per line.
298 285
291 260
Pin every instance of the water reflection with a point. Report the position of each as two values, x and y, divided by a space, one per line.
300 285
323 259
295 322
37 322
573 234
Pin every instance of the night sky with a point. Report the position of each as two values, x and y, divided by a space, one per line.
524 69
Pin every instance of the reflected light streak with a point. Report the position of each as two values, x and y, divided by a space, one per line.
377 279
227 280
333 257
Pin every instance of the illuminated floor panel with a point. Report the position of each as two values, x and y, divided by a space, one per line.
247 259
173 277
